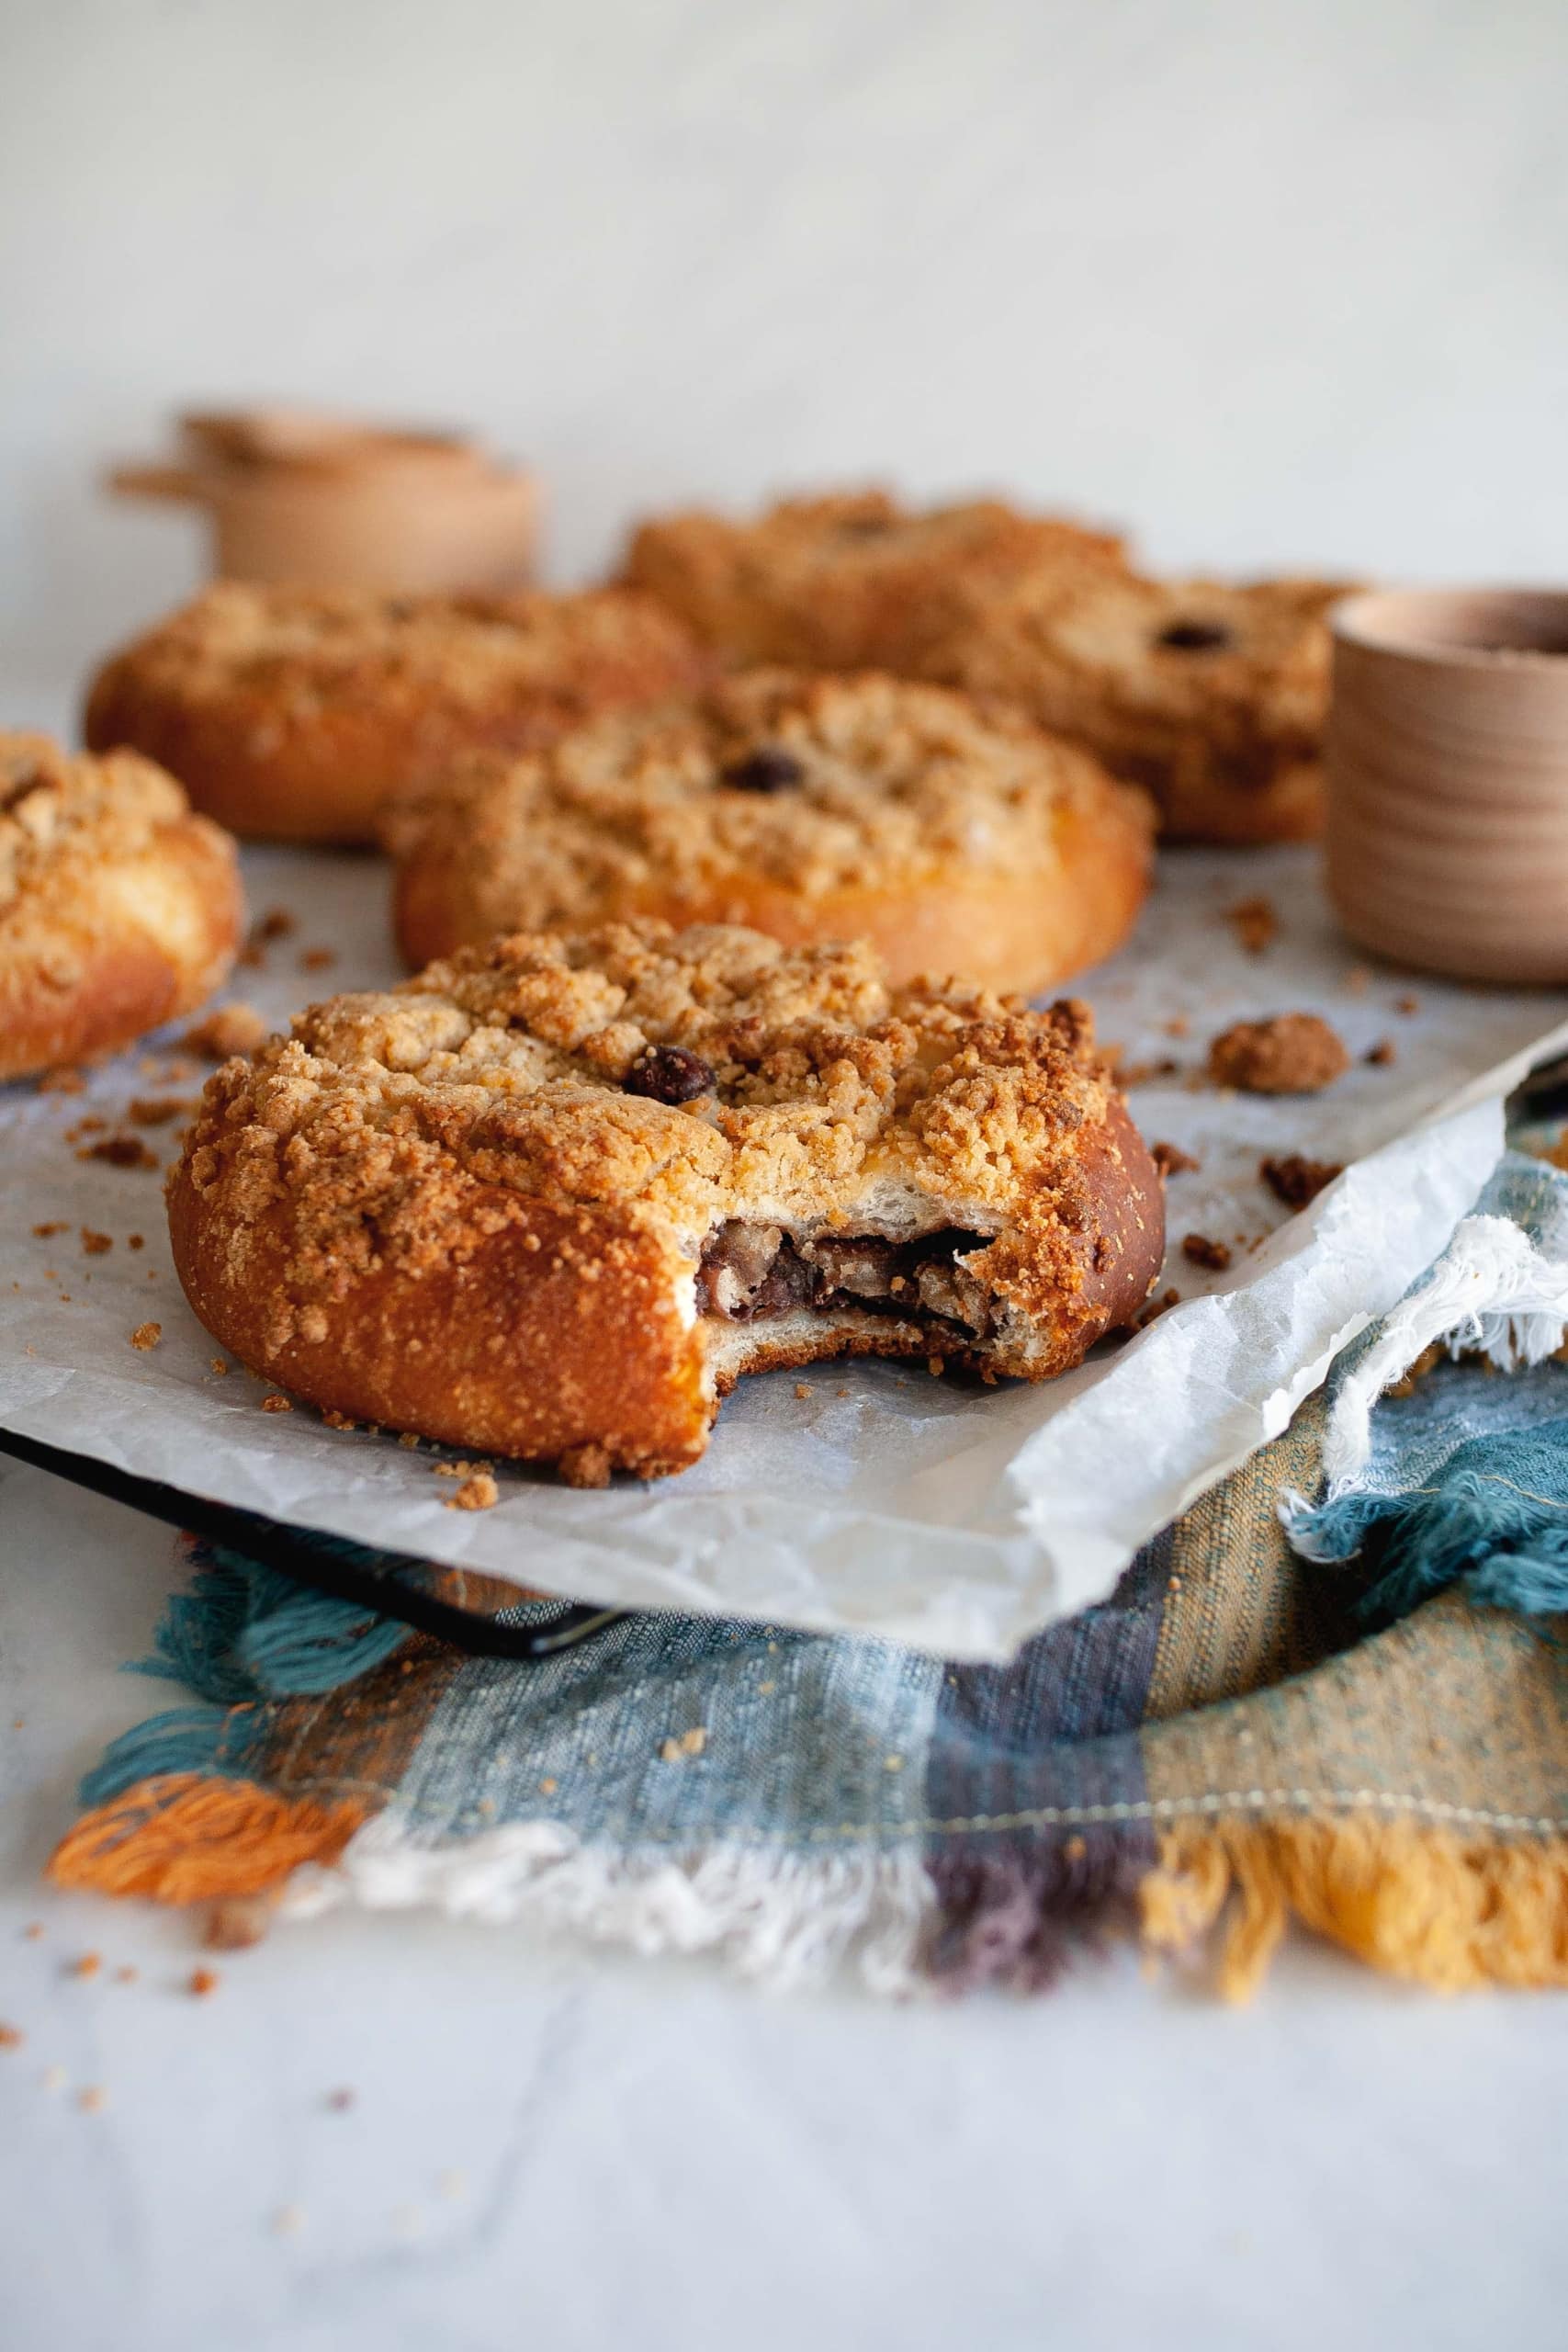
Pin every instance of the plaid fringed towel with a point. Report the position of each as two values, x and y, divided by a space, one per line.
1244 1731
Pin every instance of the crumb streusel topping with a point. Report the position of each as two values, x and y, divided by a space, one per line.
815 784
61 816
406 1128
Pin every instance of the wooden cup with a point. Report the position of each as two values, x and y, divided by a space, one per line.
1448 780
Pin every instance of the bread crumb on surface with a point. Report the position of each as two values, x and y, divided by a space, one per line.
1171 1160
202 1981
341 2100
11 2037
276 1403
94 2100
220 1367
478 1493
236 1922
1407 1005
802 1388
1202 1251
120 1151
146 1334
1254 923
409 1440
1383 1054
135 1241
1296 1179
318 959
1156 1308
585 1465
336 1420
88 1964
1288 1052
685 1743
232 1029
1177 1026
289 2221
1148 1073
95 1245
935 1366
276 922
156 1109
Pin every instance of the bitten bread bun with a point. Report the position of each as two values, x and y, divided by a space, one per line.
553 1198
809 807
1215 697
118 908
853 581
290 713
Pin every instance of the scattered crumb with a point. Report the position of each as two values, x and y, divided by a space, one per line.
275 923
1145 1073
458 1469
1380 1055
318 959
62 1082
1201 1251
409 1440
91 1125
1255 923
135 1241
338 2102
840 1392
478 1493
1290 1053
156 1109
1156 1308
276 1403
1295 1179
11 2037
802 1388
47 1232
687 1743
33 1932
146 1334
1358 979
237 1923
88 1964
1171 1160
94 2100
125 1975
202 1981
585 1465
1407 1005
233 1029
935 1366
220 1368
289 2221
120 1151
95 1245
336 1420
1177 1026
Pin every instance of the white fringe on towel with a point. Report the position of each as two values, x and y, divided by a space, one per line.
784 1921
1491 1290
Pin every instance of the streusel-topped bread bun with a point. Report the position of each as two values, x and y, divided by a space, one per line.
290 713
118 908
812 807
1215 697
853 580
554 1197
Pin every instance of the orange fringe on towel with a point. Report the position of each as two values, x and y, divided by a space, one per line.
188 1837
1419 1902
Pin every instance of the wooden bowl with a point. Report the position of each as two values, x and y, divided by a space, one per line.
1448 780
331 502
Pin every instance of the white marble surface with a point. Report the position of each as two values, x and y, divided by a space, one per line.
580 2152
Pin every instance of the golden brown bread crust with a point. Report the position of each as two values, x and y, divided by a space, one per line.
1215 697
807 806
291 714
853 581
118 908
449 1209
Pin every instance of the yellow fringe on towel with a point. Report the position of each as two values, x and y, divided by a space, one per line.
1420 1902
188 1837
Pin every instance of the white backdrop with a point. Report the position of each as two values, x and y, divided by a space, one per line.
1283 284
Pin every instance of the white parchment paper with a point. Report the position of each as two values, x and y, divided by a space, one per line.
949 1515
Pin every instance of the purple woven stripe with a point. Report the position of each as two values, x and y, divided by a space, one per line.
1057 1730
